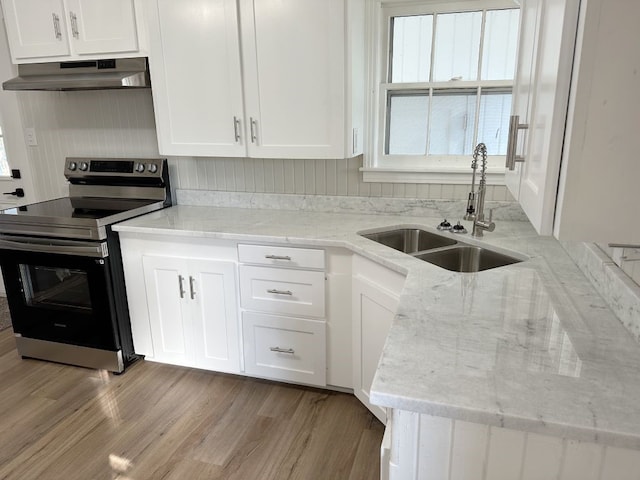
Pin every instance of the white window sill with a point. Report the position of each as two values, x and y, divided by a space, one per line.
444 176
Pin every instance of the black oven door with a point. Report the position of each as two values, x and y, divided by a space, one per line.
60 291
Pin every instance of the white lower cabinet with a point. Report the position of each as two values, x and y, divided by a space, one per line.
375 293
192 312
282 293
421 446
284 348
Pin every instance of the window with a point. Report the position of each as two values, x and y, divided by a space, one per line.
446 73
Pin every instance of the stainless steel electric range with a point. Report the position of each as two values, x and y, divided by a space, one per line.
62 266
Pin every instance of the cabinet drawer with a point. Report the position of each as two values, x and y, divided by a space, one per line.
290 257
279 290
282 348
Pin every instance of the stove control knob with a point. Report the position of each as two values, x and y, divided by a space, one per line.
84 166
152 168
140 167
72 166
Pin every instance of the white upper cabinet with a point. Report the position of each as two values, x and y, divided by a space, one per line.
262 79
36 28
577 94
58 30
197 81
600 166
102 26
541 92
293 59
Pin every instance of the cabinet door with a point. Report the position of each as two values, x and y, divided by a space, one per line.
194 60
102 26
374 309
293 61
541 93
166 291
212 291
36 28
600 167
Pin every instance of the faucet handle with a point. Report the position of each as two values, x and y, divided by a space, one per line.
490 225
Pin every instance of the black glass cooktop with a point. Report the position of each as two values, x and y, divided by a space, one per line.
88 208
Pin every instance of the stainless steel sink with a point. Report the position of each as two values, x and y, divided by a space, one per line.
410 240
467 258
441 250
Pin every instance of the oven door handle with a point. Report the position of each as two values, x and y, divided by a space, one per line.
80 249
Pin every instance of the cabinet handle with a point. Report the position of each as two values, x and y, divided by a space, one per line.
181 285
278 257
74 25
192 290
280 292
236 128
254 128
56 26
290 351
512 144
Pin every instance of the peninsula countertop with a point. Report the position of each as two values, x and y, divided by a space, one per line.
529 346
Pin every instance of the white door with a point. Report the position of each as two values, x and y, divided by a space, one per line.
541 93
102 26
167 292
36 28
197 84
373 312
293 62
212 291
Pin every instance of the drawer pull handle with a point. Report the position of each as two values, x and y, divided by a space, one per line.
280 292
278 257
290 351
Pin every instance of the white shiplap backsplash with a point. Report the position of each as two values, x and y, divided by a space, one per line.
121 124
307 177
90 123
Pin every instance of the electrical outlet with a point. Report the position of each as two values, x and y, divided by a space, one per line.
30 136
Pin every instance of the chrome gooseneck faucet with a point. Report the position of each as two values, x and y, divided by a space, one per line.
475 204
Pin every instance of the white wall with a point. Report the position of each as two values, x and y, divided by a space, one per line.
106 123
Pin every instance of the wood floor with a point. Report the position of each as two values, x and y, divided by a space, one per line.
162 422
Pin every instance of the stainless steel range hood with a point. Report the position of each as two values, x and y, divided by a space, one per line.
82 75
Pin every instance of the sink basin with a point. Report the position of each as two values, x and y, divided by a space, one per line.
441 250
467 258
410 240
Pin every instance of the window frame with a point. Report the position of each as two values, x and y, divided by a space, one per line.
440 169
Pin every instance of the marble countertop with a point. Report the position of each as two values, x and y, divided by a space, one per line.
529 346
